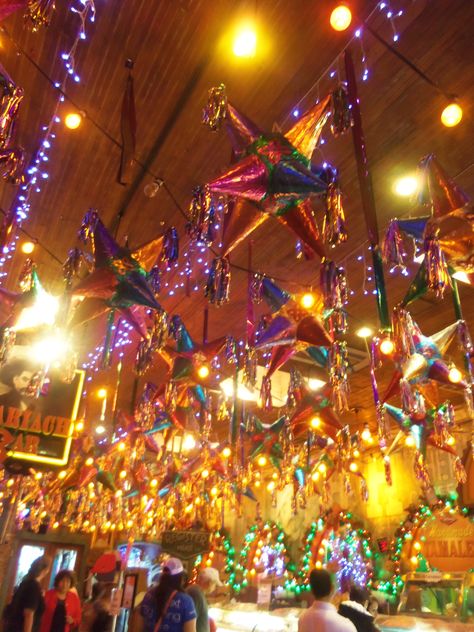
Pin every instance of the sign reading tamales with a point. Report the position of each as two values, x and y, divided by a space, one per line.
185 544
36 430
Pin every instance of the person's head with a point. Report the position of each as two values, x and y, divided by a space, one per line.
208 579
321 584
360 595
17 374
40 567
172 578
64 581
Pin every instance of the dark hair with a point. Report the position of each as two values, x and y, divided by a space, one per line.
98 591
64 574
168 584
320 582
38 566
359 594
14 368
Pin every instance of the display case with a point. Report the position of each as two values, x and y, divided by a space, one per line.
243 617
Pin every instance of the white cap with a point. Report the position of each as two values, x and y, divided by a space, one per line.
173 566
211 575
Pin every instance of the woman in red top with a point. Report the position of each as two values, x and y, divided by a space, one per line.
62 605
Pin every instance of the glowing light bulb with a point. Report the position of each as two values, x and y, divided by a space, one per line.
271 486
409 441
353 467
322 468
414 560
102 393
79 426
203 371
341 18
89 461
315 383
245 42
451 440
315 476
27 247
406 186
416 546
451 115
315 422
386 346
153 482
72 120
214 491
366 434
308 300
121 446
226 452
454 375
364 332
62 474
262 460
100 429
123 474
205 473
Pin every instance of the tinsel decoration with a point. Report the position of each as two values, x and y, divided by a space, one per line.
10 100
393 250
157 337
387 470
341 113
89 222
154 279
420 470
201 216
403 329
26 278
72 266
218 282
250 367
170 252
255 288
7 342
334 223
436 266
40 12
338 378
231 352
364 490
266 394
216 109
460 471
333 284
12 161
440 425
293 388
467 348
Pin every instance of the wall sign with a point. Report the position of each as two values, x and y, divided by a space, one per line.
449 547
36 430
185 544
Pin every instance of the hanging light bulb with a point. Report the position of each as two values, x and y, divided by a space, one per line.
308 300
366 434
406 186
451 115
151 189
454 375
245 41
409 441
341 18
262 460
27 247
386 346
73 120
315 422
203 371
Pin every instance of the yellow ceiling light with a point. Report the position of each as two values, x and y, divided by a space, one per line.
315 422
315 383
353 466
262 460
203 371
366 434
454 375
406 186
451 115
387 346
72 120
364 332
27 247
102 393
226 452
341 18
245 41
308 300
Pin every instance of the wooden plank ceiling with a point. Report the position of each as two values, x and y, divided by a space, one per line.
180 49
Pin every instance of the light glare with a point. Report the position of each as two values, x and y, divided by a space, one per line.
245 42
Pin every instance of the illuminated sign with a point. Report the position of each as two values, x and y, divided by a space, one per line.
40 431
185 544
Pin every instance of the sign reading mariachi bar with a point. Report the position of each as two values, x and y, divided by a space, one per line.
449 547
37 431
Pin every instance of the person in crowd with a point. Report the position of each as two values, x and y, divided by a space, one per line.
62 605
24 612
207 581
373 606
95 614
322 615
355 609
17 376
167 608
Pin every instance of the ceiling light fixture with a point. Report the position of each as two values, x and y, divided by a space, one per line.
245 42
406 186
341 18
451 115
364 332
